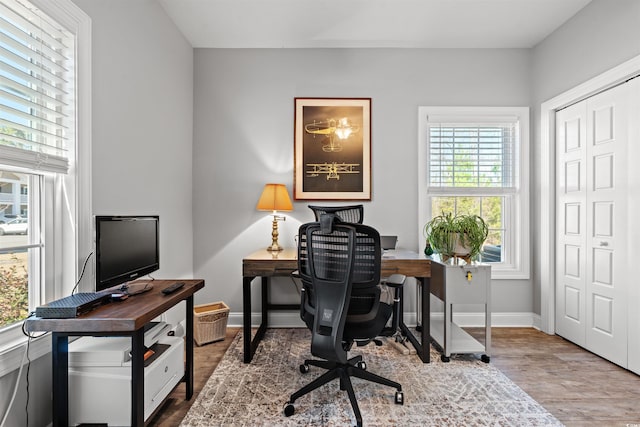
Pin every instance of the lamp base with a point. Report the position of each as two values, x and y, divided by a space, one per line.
275 247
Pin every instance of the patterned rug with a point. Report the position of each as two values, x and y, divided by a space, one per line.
463 392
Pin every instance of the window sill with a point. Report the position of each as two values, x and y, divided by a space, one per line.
14 345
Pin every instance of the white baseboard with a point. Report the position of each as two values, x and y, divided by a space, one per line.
292 319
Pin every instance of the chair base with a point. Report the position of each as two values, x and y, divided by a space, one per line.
355 367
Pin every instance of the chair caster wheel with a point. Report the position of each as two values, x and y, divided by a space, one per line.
399 398
362 365
485 358
304 368
289 409
444 358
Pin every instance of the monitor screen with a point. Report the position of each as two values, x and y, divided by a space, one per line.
126 248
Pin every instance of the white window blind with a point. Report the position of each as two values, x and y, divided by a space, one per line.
36 89
471 154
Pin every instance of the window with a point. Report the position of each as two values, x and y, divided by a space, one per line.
20 245
44 190
473 161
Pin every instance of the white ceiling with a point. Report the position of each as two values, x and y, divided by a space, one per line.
369 23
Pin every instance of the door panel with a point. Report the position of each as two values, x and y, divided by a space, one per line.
603 219
571 305
607 141
633 232
591 279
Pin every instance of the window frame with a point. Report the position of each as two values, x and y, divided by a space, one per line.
516 216
65 198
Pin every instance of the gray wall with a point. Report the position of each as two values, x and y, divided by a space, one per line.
142 131
243 138
142 122
602 35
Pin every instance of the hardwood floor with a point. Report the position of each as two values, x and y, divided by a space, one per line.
577 387
205 360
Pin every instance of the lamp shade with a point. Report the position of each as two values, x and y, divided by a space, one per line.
275 197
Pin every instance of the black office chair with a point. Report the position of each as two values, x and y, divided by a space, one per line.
352 213
348 213
342 261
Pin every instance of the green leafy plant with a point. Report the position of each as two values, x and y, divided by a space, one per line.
448 235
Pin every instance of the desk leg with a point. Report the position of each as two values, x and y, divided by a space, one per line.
246 315
426 317
188 375
60 359
137 378
265 303
423 347
250 345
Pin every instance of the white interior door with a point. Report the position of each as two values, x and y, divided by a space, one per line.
607 224
591 279
633 233
571 129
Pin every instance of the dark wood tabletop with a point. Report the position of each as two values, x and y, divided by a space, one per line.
128 315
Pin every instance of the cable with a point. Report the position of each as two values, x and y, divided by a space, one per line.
27 334
15 388
26 377
295 285
82 273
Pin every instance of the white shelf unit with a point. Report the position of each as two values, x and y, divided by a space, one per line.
460 283
100 378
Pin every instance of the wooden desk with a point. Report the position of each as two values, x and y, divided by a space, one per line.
124 318
267 264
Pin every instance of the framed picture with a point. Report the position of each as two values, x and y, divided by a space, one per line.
332 149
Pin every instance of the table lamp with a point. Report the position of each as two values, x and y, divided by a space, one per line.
275 197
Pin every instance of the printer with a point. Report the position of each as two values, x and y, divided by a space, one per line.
100 375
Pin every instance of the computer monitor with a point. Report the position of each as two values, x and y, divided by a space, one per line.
388 243
127 247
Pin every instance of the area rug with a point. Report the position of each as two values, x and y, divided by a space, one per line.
463 392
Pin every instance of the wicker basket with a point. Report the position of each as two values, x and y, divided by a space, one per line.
210 322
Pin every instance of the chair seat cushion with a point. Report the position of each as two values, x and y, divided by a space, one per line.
353 331
360 304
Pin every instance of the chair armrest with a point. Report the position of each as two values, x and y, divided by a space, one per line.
395 280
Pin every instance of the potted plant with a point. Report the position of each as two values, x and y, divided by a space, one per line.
459 236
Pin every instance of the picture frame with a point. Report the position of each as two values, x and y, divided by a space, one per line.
332 149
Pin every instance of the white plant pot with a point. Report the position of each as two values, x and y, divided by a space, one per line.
459 248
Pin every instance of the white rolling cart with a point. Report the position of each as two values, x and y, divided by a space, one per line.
456 282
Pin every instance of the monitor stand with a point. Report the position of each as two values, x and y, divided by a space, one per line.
134 288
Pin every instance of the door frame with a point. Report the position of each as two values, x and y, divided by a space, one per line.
546 253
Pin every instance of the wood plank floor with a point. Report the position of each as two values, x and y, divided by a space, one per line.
577 387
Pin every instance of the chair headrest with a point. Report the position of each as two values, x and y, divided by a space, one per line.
326 222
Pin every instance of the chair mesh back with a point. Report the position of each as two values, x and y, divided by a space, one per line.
353 214
366 274
366 270
368 257
304 269
331 256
